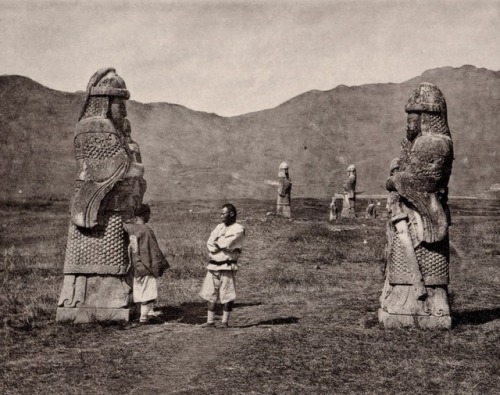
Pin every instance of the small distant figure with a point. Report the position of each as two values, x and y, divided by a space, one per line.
132 145
147 260
284 192
349 204
224 246
334 210
391 200
371 210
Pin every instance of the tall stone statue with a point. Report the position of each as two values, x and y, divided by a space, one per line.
349 204
109 186
284 191
416 285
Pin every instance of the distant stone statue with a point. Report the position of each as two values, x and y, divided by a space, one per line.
416 285
393 168
349 203
334 209
109 187
371 210
284 192
132 145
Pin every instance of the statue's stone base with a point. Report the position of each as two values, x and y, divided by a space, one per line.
414 321
81 315
284 211
348 213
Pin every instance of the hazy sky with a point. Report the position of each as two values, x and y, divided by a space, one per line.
233 57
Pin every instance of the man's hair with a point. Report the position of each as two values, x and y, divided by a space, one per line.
143 211
231 209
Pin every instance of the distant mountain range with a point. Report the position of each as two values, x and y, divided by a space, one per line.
191 154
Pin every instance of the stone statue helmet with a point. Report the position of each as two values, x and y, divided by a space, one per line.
283 170
105 97
426 98
427 107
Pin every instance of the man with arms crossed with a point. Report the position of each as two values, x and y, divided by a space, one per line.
224 246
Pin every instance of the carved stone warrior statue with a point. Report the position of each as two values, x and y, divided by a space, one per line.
284 191
416 285
109 186
349 204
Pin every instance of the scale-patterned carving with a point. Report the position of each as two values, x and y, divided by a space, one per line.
102 147
432 260
438 124
95 152
99 251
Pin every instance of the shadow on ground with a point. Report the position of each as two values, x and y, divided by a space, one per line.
273 321
475 317
192 313
279 321
195 313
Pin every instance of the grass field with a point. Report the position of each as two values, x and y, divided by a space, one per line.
304 321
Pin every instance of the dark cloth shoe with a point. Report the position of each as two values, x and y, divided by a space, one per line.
208 325
224 325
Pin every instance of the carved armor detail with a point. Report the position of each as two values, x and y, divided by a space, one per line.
97 251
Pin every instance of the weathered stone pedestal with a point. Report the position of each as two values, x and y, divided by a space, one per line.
348 208
413 321
81 315
402 308
89 298
284 211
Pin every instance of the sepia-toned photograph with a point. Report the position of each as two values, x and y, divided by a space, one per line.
250 197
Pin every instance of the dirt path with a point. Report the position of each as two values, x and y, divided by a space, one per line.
179 354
